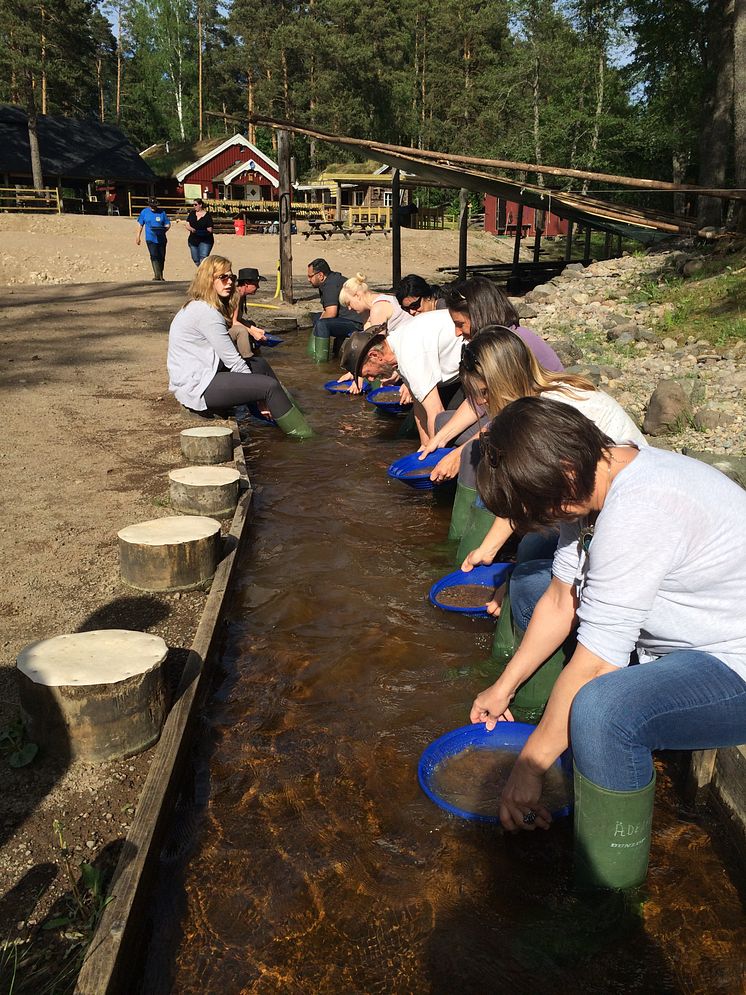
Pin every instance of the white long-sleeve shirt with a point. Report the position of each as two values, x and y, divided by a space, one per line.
666 567
198 341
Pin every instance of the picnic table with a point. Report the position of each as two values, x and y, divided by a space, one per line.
369 228
326 229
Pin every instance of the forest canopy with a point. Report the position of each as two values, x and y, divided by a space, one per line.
639 87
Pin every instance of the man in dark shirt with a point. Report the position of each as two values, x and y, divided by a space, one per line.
335 320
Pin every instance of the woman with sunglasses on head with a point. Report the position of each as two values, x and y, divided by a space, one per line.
201 239
206 372
473 304
497 368
417 296
650 570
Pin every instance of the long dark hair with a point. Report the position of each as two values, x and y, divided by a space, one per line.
539 456
413 285
483 301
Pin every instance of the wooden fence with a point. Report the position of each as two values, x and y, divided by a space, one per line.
179 207
28 200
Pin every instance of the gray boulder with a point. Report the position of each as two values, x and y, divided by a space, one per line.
709 418
668 408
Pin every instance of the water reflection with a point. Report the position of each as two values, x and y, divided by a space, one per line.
321 867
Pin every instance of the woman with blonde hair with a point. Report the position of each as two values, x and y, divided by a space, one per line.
206 372
357 296
497 368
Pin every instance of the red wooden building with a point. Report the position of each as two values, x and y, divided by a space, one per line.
501 218
234 170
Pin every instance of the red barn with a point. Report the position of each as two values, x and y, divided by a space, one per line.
233 170
501 218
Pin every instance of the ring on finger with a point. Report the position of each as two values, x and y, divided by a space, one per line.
530 817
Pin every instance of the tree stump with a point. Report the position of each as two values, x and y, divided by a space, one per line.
170 554
93 695
205 490
207 444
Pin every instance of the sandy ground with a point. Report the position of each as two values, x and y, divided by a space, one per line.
75 249
87 437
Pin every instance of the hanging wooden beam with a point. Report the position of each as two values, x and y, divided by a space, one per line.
395 231
581 174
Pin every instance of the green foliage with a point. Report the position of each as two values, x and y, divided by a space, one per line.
18 751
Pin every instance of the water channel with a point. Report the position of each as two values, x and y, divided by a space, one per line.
319 866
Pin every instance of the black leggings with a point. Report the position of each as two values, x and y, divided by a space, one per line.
226 390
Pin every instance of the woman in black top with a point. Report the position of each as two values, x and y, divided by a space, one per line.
199 223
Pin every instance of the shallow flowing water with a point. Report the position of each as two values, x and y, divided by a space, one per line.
320 866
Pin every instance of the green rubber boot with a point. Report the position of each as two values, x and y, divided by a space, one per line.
531 697
309 344
477 526
293 423
408 427
320 349
462 503
612 834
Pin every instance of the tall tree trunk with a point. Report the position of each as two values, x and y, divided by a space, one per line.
250 103
33 135
199 65
597 115
100 87
43 51
716 134
119 62
678 175
537 121
285 84
739 105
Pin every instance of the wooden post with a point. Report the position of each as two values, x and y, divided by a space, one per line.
286 242
568 242
700 775
618 246
463 231
338 202
395 231
538 229
607 245
516 271
587 248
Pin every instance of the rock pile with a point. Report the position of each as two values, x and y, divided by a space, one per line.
685 395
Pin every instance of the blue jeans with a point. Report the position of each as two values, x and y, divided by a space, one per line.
337 328
200 251
686 700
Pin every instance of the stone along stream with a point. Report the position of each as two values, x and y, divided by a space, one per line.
319 866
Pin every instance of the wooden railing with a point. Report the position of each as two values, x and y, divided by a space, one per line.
429 217
31 201
180 207
377 215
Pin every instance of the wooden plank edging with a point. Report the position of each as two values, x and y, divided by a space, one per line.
109 964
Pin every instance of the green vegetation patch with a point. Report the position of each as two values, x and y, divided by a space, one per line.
709 305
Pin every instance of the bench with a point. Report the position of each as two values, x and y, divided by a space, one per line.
369 228
325 229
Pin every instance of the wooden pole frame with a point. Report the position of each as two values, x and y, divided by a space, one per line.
285 218
515 273
463 231
395 230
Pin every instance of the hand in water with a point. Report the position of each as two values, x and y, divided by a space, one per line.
447 468
491 707
405 395
520 806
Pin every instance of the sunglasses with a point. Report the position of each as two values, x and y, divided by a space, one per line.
413 306
226 277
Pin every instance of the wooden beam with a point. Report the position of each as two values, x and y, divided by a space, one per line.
582 174
286 241
587 247
568 242
516 271
395 231
463 231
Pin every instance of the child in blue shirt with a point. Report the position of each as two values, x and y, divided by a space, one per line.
156 223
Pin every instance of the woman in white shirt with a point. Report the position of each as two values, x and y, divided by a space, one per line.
650 567
206 372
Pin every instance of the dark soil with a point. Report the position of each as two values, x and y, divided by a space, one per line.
465 596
